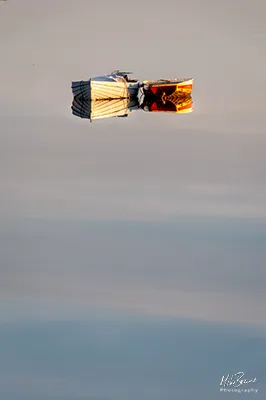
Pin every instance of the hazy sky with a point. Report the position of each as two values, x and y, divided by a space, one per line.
153 215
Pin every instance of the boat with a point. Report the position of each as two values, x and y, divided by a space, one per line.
117 95
116 85
168 86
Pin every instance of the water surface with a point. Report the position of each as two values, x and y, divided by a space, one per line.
132 250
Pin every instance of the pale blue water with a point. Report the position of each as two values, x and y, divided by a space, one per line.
132 250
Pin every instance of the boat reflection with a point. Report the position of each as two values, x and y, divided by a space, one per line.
99 109
177 104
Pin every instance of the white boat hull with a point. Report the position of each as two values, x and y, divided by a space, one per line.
103 90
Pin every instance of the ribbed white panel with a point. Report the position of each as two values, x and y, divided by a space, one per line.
101 90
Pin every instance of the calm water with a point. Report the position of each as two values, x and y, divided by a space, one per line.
132 250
